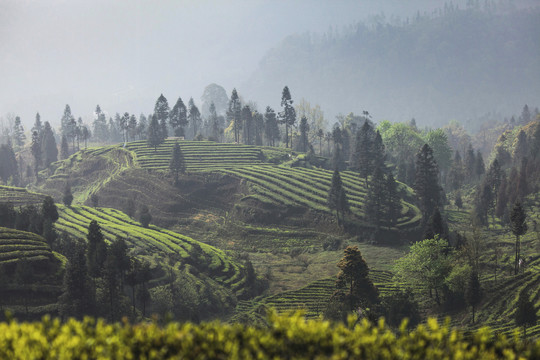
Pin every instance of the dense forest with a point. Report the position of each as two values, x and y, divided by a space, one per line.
302 234
451 64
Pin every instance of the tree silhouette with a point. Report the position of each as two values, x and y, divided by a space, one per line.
518 227
337 198
525 312
288 115
67 199
473 292
154 136
427 182
177 164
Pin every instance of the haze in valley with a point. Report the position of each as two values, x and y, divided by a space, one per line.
123 55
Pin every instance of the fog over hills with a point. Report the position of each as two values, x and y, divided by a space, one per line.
122 55
456 64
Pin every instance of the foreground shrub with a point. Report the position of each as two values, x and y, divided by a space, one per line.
286 337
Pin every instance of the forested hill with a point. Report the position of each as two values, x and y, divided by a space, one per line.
459 64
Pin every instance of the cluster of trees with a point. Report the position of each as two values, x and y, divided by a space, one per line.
36 219
382 205
98 277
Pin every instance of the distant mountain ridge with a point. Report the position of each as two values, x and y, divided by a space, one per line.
459 65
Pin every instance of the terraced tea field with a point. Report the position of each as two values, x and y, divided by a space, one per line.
152 241
198 155
19 196
309 188
16 244
312 298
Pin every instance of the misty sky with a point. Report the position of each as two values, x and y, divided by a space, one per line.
123 54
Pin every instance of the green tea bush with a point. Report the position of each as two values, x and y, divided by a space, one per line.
285 337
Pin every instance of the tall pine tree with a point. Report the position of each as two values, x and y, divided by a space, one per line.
518 227
177 164
426 184
364 154
288 115
178 118
337 197
154 134
234 113
161 114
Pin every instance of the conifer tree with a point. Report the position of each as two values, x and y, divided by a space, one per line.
304 128
9 169
154 135
64 148
522 185
101 132
288 115
518 227
161 114
49 210
36 152
494 176
112 274
258 127
426 183
473 292
379 155
337 156
513 179
456 173
177 164
78 294
178 118
194 117
18 133
67 198
132 127
502 199
470 163
337 199
375 205
247 123
66 122
234 113
436 226
213 119
521 148
525 313
393 201
320 135
483 203
97 249
364 155
479 166
38 126
124 126
142 127
48 145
